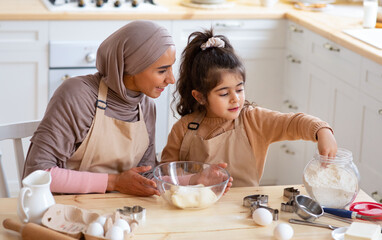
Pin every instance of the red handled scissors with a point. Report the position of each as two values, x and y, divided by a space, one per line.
371 209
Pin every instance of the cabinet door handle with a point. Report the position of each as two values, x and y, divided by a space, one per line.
289 152
330 47
380 111
291 59
290 106
65 77
229 25
293 28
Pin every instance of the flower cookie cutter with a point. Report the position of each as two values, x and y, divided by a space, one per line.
137 213
255 201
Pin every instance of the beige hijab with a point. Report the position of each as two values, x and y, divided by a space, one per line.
130 50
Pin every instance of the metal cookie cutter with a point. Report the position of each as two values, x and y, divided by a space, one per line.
249 200
137 213
291 192
288 206
255 201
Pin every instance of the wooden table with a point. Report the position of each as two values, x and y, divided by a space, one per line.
227 219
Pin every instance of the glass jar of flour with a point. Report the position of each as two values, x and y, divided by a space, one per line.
332 182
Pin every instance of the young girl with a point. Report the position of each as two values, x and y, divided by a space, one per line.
219 126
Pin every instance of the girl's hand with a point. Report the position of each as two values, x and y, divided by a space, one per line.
327 145
131 182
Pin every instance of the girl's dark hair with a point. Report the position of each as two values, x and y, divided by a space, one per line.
202 69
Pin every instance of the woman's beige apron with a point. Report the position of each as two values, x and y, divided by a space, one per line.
111 146
231 147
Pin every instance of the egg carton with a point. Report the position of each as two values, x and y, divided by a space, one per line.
74 221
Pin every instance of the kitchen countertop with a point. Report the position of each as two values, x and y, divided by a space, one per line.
227 219
328 24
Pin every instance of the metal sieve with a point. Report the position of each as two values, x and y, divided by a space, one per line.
307 208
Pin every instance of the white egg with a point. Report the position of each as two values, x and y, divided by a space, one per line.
115 233
101 220
123 224
95 229
262 216
283 231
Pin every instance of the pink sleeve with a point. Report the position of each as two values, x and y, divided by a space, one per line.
70 181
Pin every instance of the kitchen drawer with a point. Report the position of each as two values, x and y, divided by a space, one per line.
371 80
296 37
243 34
88 30
260 33
335 59
24 35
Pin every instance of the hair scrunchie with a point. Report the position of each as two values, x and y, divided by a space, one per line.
213 42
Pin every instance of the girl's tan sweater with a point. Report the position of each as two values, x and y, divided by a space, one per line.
263 127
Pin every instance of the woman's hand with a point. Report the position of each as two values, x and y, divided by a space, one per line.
212 176
327 145
131 182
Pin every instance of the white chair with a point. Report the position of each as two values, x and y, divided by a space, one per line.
15 132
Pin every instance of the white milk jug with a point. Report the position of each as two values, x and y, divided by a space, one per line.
35 197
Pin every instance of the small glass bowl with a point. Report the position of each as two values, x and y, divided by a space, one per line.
191 185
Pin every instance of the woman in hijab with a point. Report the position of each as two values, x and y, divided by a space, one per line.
98 131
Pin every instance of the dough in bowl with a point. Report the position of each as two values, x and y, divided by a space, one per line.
196 196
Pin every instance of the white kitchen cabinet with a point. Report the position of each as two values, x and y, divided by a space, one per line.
320 101
334 79
260 43
347 118
371 111
24 70
343 89
290 164
369 165
321 79
23 80
337 103
335 59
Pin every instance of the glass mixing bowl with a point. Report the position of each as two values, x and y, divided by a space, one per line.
191 185
332 182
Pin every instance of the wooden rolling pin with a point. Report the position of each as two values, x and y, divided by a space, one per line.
32 231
